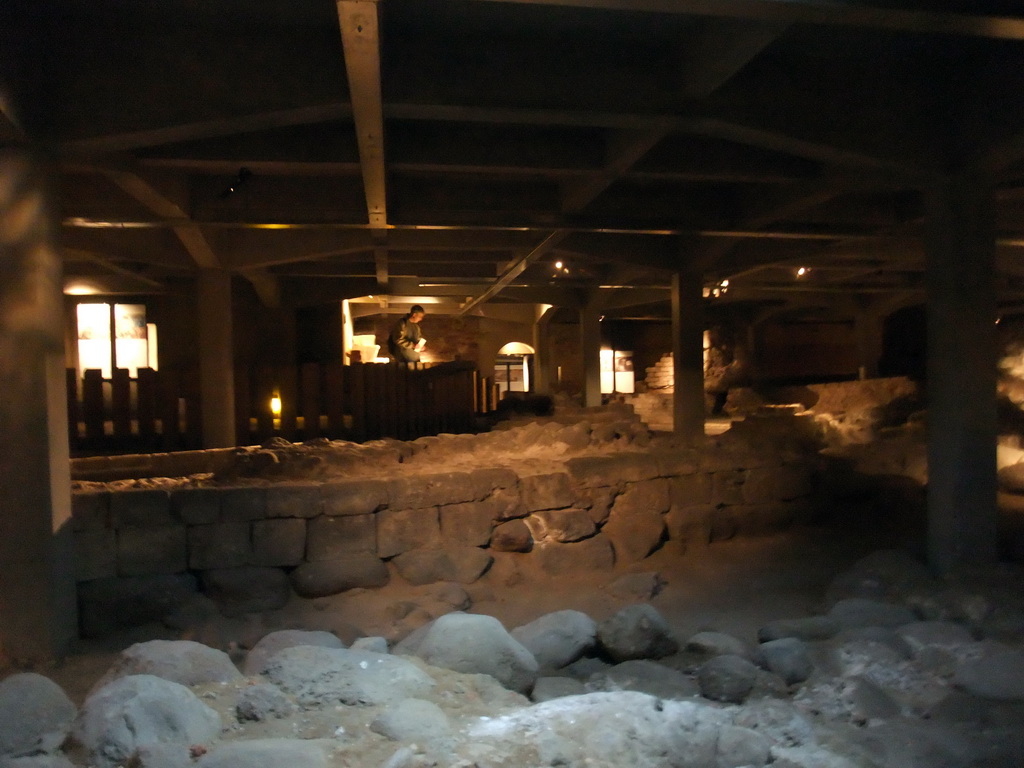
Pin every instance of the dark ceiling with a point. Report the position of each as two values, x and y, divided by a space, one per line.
458 148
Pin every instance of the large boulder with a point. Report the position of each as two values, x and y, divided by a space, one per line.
327 677
415 720
426 566
247 589
637 632
266 753
727 678
329 577
140 713
268 645
558 638
35 715
180 661
478 644
261 702
789 658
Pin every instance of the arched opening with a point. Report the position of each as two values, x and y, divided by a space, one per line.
513 368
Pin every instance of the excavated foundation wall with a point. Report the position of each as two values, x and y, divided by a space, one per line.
141 551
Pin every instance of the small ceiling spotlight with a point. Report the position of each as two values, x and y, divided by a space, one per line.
243 176
803 271
558 265
724 283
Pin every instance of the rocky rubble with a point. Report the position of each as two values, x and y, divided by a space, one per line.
898 670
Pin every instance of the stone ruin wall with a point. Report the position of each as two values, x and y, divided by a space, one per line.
140 550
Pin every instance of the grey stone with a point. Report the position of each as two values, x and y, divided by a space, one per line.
293 500
353 497
263 701
869 701
426 566
636 632
689 525
36 761
142 551
469 524
329 577
248 589
507 504
478 644
513 536
646 677
268 645
422 491
90 510
778 719
180 661
242 505
35 715
372 644
327 677
278 542
134 713
860 612
95 553
141 508
583 669
634 534
196 506
998 675
598 502
643 498
224 545
788 658
559 638
807 628
593 554
107 605
400 530
727 678
881 635
563 525
637 586
550 491
718 644
691 490
266 753
489 479
413 720
328 538
548 688
742 747
942 634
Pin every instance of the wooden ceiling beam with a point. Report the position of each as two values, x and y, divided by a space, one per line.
360 38
516 268
818 12
208 129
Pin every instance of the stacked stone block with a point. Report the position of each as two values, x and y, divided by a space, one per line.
594 513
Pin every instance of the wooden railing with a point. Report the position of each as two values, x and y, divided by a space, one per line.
161 410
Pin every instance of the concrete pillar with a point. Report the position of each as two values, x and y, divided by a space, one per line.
543 371
37 582
590 343
216 359
688 356
961 373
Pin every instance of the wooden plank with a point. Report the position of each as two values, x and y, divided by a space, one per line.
74 410
121 405
288 388
170 429
92 406
309 398
145 408
263 392
191 393
334 381
357 378
243 405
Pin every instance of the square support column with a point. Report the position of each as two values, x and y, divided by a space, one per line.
590 343
961 373
38 603
688 356
542 363
216 359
